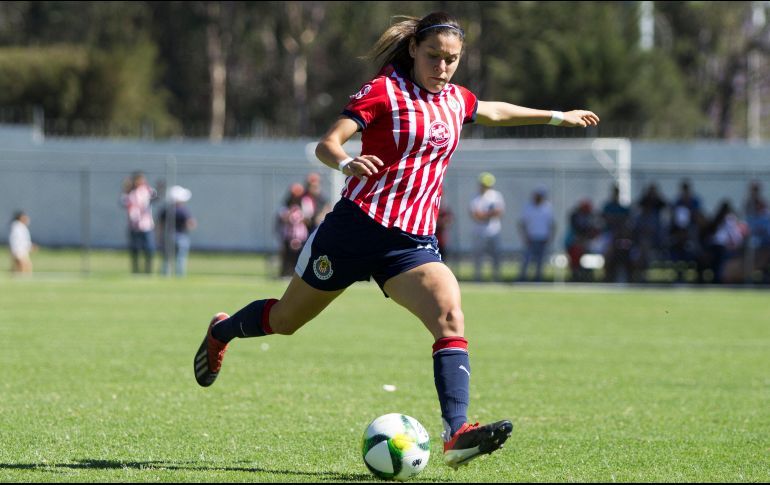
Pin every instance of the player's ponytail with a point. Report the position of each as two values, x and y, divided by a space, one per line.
393 45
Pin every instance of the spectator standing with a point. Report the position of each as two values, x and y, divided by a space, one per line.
487 209
20 243
724 236
616 239
537 227
179 232
314 204
686 223
757 216
583 229
757 213
755 204
647 231
292 229
137 199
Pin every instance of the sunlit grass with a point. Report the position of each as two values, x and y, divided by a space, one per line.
602 385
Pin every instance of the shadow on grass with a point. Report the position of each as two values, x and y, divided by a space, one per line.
184 466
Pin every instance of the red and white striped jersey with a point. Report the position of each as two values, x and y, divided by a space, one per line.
414 132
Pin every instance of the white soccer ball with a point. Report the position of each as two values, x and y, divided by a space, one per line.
395 447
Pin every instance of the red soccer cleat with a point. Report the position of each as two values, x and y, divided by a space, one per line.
472 441
208 359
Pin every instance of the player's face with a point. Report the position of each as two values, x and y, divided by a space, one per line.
436 60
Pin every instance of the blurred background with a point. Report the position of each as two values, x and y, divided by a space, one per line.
227 99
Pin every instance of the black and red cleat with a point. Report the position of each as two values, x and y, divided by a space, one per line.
208 359
472 441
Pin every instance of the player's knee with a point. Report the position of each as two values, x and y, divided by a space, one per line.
453 322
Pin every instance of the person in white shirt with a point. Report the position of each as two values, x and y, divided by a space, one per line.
537 227
487 210
20 243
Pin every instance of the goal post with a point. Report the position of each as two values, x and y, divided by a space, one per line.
612 154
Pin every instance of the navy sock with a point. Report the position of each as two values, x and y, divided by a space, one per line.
250 321
452 375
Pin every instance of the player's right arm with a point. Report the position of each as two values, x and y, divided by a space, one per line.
331 153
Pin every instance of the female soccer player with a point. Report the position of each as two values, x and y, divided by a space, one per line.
383 227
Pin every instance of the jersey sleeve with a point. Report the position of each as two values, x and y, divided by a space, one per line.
368 103
471 104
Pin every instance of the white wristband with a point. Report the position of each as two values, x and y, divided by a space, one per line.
556 118
344 164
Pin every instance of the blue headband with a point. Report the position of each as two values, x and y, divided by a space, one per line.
462 33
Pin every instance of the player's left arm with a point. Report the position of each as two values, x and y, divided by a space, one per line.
498 113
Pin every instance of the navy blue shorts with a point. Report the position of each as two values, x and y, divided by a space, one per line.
350 246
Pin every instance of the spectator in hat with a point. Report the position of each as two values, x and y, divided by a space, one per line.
537 227
487 209
178 231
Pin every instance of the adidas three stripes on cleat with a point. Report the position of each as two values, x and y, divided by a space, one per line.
208 359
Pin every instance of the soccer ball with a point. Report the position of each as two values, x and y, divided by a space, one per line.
395 446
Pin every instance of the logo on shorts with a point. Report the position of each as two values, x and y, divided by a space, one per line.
453 105
322 268
363 92
438 134
429 247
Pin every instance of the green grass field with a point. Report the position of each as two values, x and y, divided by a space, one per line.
601 384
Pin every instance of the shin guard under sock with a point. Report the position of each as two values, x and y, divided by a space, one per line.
452 375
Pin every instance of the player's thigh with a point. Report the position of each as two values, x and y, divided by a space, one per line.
431 292
299 304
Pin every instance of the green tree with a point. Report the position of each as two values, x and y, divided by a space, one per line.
710 42
287 67
88 61
553 55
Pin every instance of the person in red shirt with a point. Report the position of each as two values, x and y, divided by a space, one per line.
292 229
137 199
410 116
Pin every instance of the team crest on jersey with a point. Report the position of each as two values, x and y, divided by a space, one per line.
438 134
453 105
363 92
322 268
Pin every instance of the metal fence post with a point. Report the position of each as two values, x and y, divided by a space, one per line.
169 228
85 220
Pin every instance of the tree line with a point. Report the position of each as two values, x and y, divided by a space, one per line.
224 69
